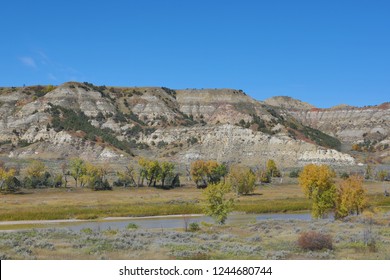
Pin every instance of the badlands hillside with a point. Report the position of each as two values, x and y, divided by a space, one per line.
117 124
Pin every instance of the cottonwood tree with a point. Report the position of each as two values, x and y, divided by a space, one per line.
167 171
37 174
317 182
272 169
126 178
95 177
77 170
351 197
217 204
150 170
242 179
8 181
206 172
154 171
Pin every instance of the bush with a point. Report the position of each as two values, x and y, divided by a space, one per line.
344 175
194 227
294 173
101 185
132 226
315 241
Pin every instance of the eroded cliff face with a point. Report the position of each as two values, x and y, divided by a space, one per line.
233 144
100 123
349 124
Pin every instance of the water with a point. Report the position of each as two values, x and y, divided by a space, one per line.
285 217
180 222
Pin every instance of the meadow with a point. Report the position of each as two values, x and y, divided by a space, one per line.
83 203
359 237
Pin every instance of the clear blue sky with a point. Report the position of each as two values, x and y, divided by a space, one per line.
322 52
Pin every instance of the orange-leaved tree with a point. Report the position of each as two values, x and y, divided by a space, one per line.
351 197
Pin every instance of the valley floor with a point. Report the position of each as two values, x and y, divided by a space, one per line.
72 203
364 237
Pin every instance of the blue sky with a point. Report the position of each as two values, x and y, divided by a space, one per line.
322 52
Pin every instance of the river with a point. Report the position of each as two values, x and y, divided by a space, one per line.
179 222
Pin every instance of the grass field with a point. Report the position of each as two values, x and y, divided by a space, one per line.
361 238
50 204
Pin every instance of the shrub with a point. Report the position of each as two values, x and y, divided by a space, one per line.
344 175
315 241
294 173
88 231
161 144
132 226
194 227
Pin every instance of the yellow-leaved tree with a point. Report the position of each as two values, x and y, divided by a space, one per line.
317 182
7 180
207 172
351 197
242 179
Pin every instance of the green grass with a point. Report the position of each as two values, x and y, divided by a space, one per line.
77 212
273 206
54 204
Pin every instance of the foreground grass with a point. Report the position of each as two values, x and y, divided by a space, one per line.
53 204
361 238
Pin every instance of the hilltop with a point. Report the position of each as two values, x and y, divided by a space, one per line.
289 103
120 124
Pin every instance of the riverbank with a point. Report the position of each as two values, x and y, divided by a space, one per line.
85 204
364 237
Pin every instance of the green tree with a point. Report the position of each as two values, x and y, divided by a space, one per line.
272 169
242 180
36 169
94 177
217 205
126 178
317 182
77 170
206 172
199 172
150 170
216 171
37 175
166 171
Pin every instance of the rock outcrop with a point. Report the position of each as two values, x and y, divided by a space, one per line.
349 124
105 123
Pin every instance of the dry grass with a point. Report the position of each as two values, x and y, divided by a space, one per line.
49 204
269 239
